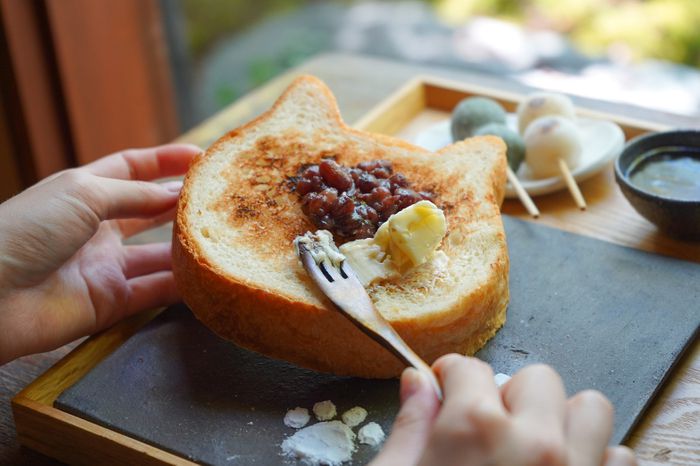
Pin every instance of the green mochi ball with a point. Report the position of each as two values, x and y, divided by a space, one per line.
515 144
472 113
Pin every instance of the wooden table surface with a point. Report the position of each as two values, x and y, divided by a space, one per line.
669 432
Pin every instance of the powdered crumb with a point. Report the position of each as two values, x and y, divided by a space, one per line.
354 416
330 443
501 378
371 434
324 410
297 417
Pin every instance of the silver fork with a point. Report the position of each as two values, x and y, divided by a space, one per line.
345 291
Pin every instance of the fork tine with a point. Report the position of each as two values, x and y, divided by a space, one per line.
315 269
331 270
349 272
310 265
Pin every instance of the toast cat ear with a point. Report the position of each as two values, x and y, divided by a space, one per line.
307 102
487 155
479 146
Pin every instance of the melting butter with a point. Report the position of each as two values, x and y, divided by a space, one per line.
406 240
369 261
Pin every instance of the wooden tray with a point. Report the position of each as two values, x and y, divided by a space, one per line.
421 102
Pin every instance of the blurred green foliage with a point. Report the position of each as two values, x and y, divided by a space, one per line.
664 29
210 20
226 94
667 29
302 46
264 68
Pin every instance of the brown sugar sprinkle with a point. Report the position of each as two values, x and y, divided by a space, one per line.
353 202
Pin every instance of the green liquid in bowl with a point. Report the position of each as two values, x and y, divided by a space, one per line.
672 172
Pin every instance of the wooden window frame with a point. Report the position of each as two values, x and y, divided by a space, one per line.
81 79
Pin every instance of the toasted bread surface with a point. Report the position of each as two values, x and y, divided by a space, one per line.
237 216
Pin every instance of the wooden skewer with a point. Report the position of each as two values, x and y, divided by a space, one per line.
571 184
522 194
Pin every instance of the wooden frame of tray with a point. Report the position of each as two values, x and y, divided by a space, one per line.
397 114
424 100
72 439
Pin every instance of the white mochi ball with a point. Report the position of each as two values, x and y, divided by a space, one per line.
539 104
548 139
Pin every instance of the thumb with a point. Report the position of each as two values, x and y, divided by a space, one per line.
411 429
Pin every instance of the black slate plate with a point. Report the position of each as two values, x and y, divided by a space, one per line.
606 317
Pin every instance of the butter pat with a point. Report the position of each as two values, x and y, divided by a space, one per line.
412 235
406 240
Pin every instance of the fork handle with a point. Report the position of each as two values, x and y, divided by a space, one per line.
414 360
400 349
352 300
366 317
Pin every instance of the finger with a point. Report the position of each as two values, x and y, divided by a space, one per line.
48 179
146 259
132 226
145 164
468 386
619 456
472 421
536 399
419 405
114 199
536 394
70 209
151 291
589 423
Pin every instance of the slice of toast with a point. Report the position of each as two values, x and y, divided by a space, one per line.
238 214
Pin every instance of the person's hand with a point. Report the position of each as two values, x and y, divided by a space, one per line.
64 272
528 421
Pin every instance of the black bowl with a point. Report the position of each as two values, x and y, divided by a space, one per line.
678 217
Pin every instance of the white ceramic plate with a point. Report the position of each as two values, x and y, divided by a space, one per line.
602 141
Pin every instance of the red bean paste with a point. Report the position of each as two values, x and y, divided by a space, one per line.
353 202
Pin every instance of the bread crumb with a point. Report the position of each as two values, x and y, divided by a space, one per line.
501 378
371 434
324 410
330 443
297 417
354 416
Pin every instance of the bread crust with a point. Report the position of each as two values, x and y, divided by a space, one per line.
318 337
